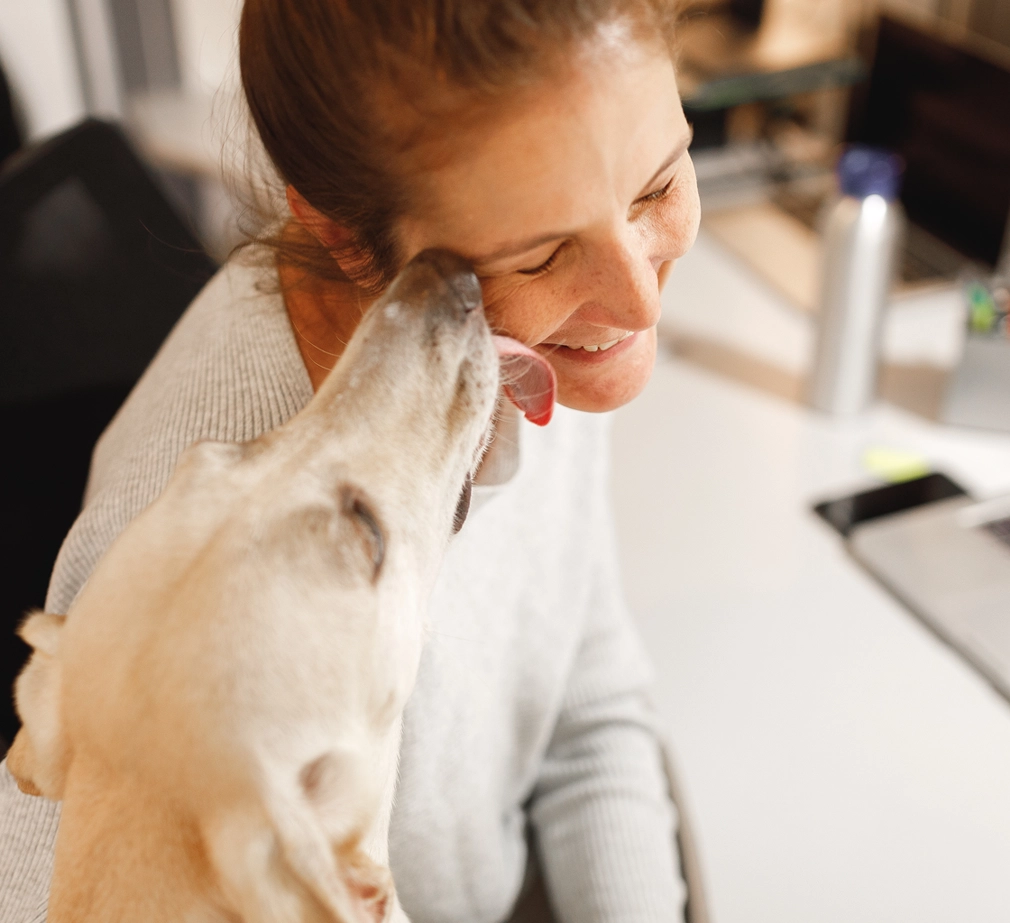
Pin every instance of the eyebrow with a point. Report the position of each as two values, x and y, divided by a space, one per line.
675 155
517 247
514 249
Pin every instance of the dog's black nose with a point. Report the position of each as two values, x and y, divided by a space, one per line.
457 273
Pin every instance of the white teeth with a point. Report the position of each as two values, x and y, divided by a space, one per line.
603 346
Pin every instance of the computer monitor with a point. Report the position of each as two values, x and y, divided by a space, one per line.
946 109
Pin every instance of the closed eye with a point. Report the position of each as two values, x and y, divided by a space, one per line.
356 506
659 193
544 266
552 259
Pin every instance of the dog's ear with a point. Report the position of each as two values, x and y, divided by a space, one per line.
39 756
21 763
41 631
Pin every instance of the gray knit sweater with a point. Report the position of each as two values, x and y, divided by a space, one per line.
529 723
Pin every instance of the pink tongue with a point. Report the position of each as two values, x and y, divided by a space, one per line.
527 379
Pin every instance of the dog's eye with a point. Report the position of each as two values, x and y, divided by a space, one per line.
356 506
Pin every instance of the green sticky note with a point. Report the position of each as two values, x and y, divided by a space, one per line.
981 308
894 465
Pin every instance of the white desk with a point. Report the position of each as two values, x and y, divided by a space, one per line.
841 764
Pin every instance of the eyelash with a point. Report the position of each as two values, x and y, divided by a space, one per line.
659 193
544 266
552 259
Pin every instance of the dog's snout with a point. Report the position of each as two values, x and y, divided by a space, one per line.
467 289
458 274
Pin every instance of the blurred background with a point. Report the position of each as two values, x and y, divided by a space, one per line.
771 86
842 761
156 66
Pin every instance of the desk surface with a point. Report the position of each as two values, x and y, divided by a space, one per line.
841 763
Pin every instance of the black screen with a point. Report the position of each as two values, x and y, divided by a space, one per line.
847 512
946 110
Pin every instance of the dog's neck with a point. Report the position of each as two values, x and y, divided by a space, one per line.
107 833
126 854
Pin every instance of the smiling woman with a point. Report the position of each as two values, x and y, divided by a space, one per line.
544 142
572 252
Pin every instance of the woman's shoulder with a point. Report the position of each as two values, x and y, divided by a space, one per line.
234 338
229 370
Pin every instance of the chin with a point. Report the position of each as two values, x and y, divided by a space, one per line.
606 385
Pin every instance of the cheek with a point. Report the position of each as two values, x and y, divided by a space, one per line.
674 225
527 311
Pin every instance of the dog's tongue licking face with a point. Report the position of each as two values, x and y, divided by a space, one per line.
527 379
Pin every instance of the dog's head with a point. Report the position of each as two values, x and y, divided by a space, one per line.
260 624
398 428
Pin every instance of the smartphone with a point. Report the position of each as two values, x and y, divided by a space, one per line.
846 513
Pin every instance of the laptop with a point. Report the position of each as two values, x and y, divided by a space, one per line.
948 560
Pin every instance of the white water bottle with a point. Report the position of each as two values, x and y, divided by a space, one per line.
861 237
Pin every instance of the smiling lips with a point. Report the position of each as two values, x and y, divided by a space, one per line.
596 347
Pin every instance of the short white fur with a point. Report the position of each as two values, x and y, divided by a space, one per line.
220 710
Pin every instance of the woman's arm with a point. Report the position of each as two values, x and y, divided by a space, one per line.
604 823
27 837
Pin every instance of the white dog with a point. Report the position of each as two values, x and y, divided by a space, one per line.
220 710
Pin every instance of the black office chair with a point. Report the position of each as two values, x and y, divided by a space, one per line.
10 131
95 268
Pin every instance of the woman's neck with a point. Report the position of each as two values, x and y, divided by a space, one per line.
323 314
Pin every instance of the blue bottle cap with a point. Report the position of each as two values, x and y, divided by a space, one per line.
864 171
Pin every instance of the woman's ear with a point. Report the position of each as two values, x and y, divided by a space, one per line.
331 235
340 241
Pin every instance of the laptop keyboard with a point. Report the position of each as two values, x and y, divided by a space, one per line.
1001 529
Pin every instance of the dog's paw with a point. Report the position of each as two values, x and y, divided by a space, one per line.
369 884
288 872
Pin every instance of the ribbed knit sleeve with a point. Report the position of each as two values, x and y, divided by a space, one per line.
27 834
603 821
229 371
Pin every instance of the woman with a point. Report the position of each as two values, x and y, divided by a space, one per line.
544 140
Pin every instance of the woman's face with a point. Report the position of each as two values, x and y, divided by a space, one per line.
572 203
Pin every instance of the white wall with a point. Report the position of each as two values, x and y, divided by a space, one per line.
36 45
206 33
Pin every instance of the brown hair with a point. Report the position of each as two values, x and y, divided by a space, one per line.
325 79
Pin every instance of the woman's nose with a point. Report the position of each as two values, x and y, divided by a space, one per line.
625 284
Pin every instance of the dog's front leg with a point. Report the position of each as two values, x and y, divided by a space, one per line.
396 912
376 842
